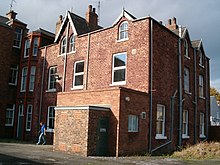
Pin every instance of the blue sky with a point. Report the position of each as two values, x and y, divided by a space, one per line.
200 16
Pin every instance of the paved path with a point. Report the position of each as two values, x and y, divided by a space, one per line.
25 154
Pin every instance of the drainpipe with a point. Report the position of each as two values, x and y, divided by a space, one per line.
171 123
180 94
195 99
65 59
42 84
87 61
151 82
207 98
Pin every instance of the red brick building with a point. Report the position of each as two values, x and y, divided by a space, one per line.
134 87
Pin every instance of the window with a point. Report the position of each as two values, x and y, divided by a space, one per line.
201 86
186 79
27 48
160 125
29 117
17 37
35 46
123 31
119 68
185 124
63 46
13 75
202 126
78 75
23 79
186 50
10 114
32 78
50 118
132 123
52 78
72 43
200 58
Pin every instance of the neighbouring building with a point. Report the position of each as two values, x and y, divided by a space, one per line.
214 112
135 87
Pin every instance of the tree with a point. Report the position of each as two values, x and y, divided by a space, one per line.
215 92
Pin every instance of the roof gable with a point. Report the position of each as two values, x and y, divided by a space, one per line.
125 14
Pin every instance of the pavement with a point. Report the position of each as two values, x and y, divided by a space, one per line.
15 153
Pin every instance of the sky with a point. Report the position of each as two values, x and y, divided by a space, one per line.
201 17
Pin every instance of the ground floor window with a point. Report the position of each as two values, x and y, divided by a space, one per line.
185 124
202 126
50 118
132 123
160 123
29 117
10 114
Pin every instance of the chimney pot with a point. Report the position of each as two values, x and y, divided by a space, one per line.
174 21
93 10
169 21
89 8
11 15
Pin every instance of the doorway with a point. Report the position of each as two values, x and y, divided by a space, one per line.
20 121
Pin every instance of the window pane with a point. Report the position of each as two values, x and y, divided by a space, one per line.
79 67
120 60
78 80
119 75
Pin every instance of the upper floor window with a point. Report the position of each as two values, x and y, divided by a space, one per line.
50 118
185 124
72 43
23 79
32 78
29 117
201 58
123 30
13 75
78 75
17 37
186 48
186 79
63 46
10 114
27 48
132 123
202 126
119 68
52 78
201 86
160 125
35 46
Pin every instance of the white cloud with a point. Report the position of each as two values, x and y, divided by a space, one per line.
215 84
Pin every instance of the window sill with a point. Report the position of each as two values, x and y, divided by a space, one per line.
187 57
186 92
122 40
51 90
9 125
132 131
118 83
158 136
202 66
71 52
202 136
28 130
77 87
201 97
49 130
18 47
12 84
185 137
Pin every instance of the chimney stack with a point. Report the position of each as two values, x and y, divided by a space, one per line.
92 18
172 24
11 15
58 24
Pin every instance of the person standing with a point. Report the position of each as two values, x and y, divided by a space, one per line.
42 134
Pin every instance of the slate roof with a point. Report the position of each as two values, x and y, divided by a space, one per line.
196 43
3 19
42 31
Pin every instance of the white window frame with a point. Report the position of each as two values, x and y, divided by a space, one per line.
201 86
63 46
72 43
17 38
186 80
186 49
132 123
29 117
78 74
11 116
13 75
185 124
124 30
24 79
161 135
32 78
35 46
50 117
119 68
202 125
27 48
50 77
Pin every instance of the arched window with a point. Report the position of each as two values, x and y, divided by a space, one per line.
186 49
123 30
63 45
72 43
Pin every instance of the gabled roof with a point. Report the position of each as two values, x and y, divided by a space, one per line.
197 43
79 25
45 32
125 14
